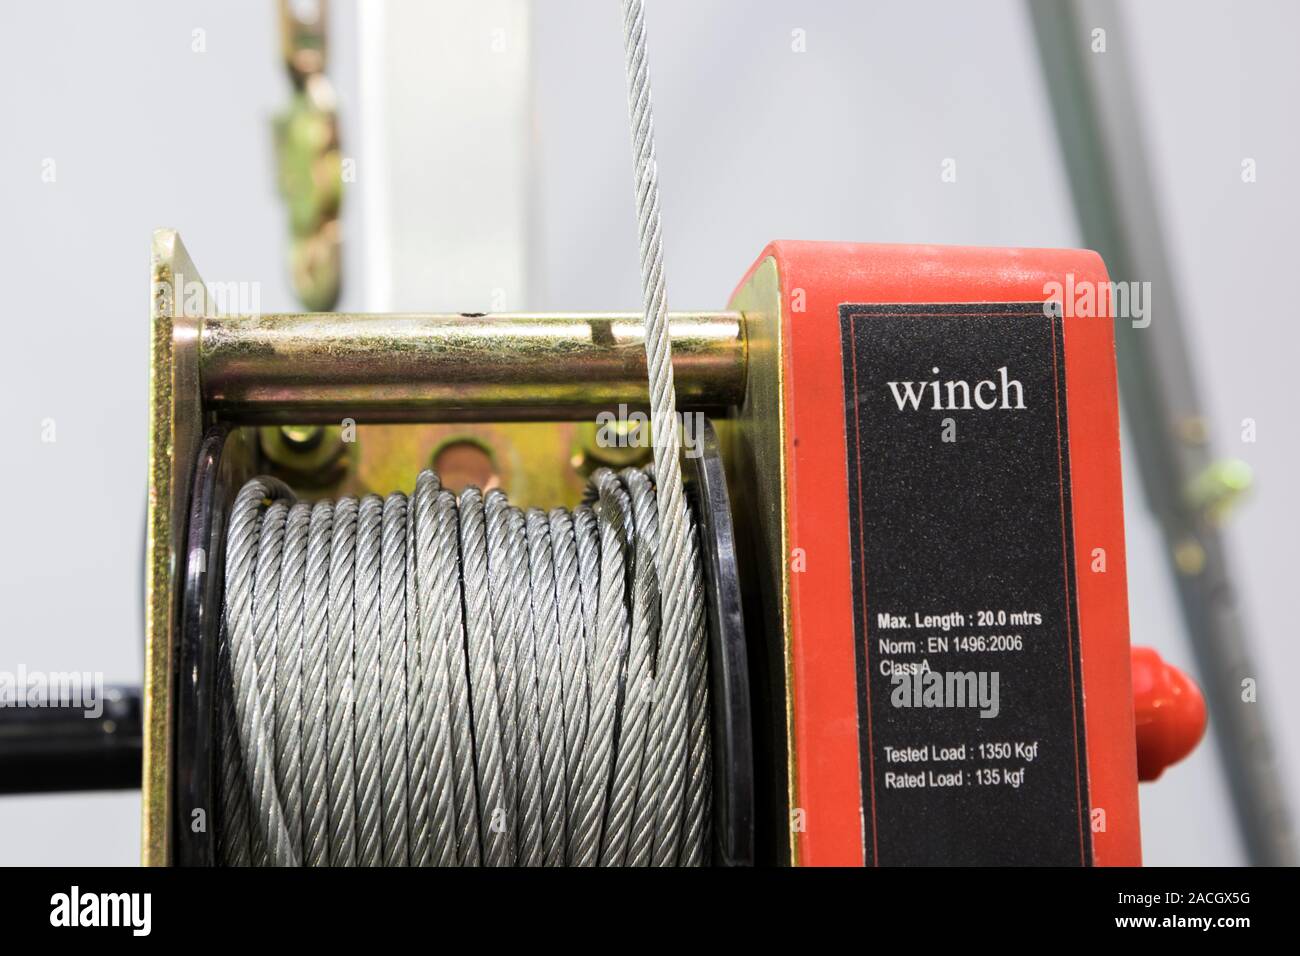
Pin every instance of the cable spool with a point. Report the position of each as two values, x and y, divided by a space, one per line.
448 680
292 611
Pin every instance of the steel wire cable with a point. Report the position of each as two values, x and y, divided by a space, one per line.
682 679
449 680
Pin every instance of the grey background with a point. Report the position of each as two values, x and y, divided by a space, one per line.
756 142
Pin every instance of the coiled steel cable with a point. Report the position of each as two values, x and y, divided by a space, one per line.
449 680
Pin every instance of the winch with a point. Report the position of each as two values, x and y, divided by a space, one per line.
832 576
911 617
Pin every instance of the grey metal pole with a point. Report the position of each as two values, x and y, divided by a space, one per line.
1102 141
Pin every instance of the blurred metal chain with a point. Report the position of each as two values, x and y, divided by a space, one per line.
308 157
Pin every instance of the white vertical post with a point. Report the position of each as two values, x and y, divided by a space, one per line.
445 154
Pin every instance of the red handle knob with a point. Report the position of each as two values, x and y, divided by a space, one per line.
1169 711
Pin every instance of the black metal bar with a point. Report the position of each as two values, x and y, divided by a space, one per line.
93 744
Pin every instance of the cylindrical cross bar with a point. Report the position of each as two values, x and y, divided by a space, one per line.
311 368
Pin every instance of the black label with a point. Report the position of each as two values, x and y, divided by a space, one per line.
969 678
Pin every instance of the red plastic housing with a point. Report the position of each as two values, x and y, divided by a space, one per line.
825 701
